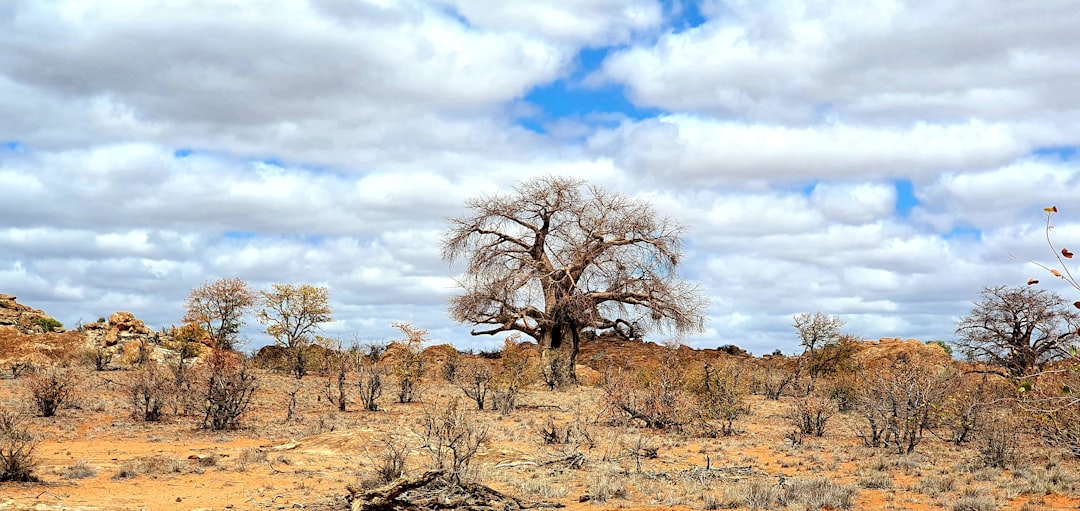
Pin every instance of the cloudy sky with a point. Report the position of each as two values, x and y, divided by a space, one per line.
876 160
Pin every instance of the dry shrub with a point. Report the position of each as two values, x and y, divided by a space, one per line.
389 461
371 372
998 441
451 437
149 392
17 445
1055 408
230 388
408 367
773 375
653 394
517 369
52 388
897 397
809 414
721 394
475 378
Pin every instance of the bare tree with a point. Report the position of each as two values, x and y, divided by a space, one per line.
1018 328
292 314
218 307
558 257
817 329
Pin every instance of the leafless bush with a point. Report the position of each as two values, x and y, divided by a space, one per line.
656 395
810 414
51 389
451 437
17 445
897 399
998 442
774 375
229 391
475 378
149 392
389 461
371 373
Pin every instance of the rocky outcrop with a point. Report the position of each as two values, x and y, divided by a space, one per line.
121 328
25 319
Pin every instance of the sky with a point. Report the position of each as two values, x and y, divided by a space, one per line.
881 161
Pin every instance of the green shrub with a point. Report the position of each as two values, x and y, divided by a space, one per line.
47 324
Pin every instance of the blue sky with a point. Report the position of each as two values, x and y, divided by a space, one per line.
848 158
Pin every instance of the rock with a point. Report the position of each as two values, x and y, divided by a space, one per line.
22 317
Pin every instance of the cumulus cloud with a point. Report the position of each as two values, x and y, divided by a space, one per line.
881 160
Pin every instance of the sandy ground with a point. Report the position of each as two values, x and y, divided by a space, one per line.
96 456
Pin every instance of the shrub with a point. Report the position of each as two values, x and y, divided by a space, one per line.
80 470
516 371
475 378
721 393
229 391
451 438
17 445
51 389
149 391
371 372
809 414
47 324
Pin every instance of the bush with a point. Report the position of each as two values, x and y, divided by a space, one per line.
51 389
451 438
810 414
229 390
149 391
17 445
47 324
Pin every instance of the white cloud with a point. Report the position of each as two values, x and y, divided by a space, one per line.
703 151
329 140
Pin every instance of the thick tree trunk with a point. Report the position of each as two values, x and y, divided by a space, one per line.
558 355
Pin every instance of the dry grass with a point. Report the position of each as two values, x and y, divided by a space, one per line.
562 446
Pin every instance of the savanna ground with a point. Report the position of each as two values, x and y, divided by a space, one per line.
568 447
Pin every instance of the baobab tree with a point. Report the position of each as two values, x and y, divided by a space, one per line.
558 257
1018 328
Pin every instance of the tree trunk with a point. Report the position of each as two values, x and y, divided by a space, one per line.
558 355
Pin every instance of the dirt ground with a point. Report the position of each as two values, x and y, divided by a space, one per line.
94 455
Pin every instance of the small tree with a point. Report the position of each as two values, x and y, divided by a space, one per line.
292 314
368 362
817 329
218 307
1018 328
408 370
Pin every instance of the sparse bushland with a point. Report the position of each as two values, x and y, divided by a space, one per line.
515 371
475 378
17 443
